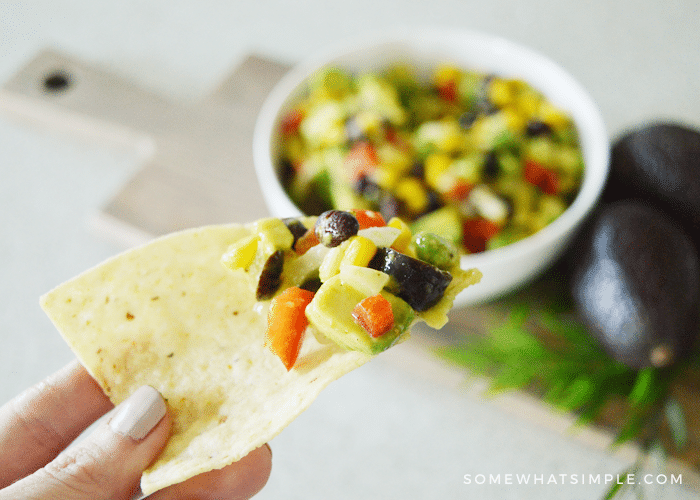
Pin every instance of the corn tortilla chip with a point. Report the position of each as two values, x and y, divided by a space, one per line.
169 315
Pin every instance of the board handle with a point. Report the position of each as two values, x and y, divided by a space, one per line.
64 93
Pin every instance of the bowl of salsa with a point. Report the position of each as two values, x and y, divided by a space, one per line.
485 142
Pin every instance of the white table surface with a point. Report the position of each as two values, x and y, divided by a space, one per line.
382 431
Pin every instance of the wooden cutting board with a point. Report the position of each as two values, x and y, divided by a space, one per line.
197 159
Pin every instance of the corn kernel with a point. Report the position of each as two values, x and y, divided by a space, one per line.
394 158
514 119
553 116
413 194
385 178
359 252
446 73
528 102
501 92
540 150
453 139
435 165
404 238
240 255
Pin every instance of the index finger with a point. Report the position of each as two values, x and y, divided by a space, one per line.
43 420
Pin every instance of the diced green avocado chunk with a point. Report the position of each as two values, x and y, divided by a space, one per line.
504 237
368 281
330 312
331 82
274 235
436 250
445 222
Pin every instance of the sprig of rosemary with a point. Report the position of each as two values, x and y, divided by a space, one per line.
550 353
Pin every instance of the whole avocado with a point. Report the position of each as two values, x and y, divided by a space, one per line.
635 284
660 163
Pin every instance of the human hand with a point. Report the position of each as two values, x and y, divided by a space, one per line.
37 426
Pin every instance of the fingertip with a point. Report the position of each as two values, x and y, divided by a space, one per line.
241 480
106 464
263 466
250 474
46 418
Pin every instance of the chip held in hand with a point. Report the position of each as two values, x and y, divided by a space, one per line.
235 328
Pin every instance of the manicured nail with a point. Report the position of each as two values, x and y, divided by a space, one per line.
140 413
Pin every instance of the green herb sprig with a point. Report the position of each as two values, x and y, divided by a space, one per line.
549 352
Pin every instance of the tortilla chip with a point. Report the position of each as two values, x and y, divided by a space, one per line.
169 315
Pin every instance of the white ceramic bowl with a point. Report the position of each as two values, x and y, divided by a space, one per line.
504 269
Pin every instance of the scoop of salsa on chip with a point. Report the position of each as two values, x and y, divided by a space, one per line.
358 281
241 349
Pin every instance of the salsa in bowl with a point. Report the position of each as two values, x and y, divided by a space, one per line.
487 143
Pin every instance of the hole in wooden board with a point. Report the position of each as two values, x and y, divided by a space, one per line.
57 81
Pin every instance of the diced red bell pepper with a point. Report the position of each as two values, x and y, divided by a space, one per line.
368 218
448 90
286 323
392 136
375 315
291 121
545 179
477 232
305 242
361 159
459 191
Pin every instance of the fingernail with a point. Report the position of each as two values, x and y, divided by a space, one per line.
140 413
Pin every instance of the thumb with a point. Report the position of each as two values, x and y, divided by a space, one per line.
109 463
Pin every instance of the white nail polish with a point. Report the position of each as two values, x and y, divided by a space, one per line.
140 413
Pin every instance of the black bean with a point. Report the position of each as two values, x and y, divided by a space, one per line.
420 284
368 189
311 284
295 227
335 226
467 119
270 277
536 128
491 167
484 105
418 169
434 200
389 206
286 172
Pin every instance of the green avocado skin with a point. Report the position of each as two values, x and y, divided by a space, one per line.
635 282
659 162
